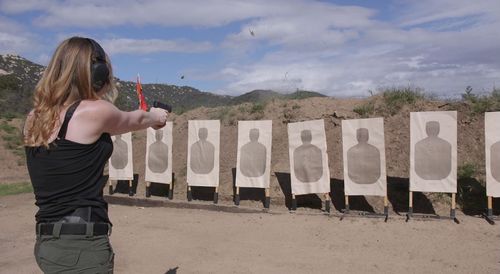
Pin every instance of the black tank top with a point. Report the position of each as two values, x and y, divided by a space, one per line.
69 175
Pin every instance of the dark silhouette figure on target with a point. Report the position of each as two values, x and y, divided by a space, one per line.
495 161
253 156
202 154
433 155
363 160
307 160
119 158
158 154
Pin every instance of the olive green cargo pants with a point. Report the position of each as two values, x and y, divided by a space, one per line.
74 254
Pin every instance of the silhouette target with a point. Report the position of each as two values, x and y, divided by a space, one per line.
253 156
158 154
433 155
119 158
308 161
495 161
202 154
363 160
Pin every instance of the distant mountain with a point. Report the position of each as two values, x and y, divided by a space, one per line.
263 96
18 77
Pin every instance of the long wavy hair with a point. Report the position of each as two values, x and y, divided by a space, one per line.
66 79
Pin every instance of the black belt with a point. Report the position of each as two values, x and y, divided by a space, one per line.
73 229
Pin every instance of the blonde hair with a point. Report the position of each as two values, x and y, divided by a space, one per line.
66 79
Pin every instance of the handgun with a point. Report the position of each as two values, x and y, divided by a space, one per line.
166 107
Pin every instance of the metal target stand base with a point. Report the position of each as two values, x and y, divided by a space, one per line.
411 215
327 204
488 215
267 199
452 216
190 194
348 213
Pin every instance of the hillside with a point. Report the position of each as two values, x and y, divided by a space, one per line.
394 105
18 77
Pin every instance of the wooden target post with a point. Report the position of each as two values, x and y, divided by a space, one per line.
237 196
130 188
110 187
189 194
216 195
267 199
489 212
347 211
452 216
327 205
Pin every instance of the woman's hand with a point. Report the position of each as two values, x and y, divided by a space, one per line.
159 117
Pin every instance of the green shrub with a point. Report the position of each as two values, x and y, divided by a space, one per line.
7 128
482 104
395 98
16 188
467 170
257 107
221 113
365 110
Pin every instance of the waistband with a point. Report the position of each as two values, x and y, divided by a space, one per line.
89 229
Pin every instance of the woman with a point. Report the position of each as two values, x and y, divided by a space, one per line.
67 139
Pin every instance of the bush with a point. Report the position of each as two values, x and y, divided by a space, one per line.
257 108
482 104
16 188
396 98
365 110
466 171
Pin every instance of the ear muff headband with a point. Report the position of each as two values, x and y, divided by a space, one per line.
98 69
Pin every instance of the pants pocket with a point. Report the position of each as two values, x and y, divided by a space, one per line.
50 253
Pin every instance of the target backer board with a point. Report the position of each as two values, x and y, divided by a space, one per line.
121 164
364 157
309 169
433 151
492 145
159 155
253 160
203 153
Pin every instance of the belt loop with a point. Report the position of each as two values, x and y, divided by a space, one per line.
38 229
89 229
56 231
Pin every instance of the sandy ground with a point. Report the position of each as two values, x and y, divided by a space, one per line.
156 240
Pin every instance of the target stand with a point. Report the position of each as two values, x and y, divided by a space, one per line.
327 204
347 212
111 191
488 215
190 194
170 192
267 200
452 216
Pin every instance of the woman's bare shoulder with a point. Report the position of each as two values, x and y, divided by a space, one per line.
96 105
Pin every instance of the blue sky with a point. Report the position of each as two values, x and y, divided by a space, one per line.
340 48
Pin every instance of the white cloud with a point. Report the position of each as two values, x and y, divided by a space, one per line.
441 46
98 13
349 60
126 45
14 38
